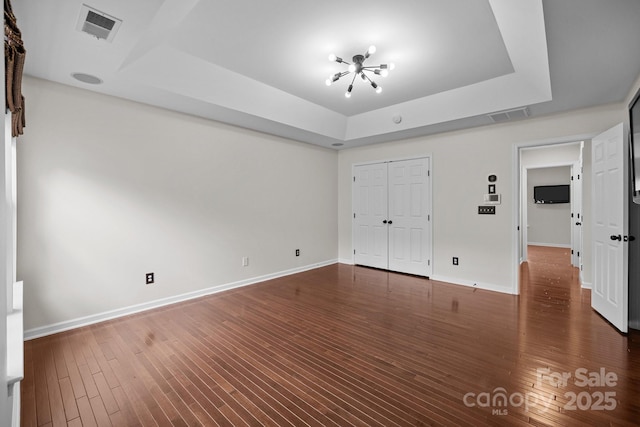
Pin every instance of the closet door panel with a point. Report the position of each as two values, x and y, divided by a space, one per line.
410 209
370 221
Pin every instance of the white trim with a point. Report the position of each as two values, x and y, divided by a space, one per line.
472 284
346 261
551 245
395 159
14 393
585 285
125 311
15 344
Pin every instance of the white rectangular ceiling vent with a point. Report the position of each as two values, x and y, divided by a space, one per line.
503 116
97 24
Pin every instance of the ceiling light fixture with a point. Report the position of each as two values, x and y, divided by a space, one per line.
358 68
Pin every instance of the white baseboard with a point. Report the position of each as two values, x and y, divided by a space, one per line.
112 314
473 284
346 261
551 245
586 285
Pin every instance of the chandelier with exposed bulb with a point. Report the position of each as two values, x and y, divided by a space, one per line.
358 68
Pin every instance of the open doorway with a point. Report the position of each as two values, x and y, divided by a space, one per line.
548 225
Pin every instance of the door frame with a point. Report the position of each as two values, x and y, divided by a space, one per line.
516 192
577 188
430 184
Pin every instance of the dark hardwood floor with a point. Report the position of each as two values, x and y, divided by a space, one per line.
344 345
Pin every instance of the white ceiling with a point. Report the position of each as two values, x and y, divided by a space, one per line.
262 64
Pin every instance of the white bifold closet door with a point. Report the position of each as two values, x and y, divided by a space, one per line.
392 214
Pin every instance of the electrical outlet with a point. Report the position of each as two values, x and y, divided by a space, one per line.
150 278
245 261
297 252
455 260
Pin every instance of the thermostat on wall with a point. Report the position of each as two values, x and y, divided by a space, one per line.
492 199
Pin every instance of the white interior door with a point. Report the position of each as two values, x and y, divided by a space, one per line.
409 217
370 206
609 295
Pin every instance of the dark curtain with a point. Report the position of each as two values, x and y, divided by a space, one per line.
14 54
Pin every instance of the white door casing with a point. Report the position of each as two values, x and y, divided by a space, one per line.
576 214
610 226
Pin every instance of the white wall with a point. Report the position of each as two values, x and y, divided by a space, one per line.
550 155
548 224
110 190
461 163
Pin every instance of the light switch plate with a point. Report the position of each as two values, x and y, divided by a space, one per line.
486 210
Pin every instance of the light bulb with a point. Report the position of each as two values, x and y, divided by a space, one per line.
352 68
392 66
332 57
349 89
379 89
328 81
372 49
384 73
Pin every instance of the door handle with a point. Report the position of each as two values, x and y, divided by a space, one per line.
578 223
618 237
384 221
629 238
390 222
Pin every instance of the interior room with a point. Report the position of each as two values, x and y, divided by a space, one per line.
319 213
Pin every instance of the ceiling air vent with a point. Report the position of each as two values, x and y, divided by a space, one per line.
97 24
503 116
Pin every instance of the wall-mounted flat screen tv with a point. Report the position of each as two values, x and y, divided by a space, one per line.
549 194
634 145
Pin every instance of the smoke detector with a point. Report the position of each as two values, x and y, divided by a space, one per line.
87 78
503 116
97 24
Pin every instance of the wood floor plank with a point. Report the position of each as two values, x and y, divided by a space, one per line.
342 346
56 404
58 356
99 412
86 412
41 389
72 368
88 381
127 396
68 399
76 422
28 395
105 393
